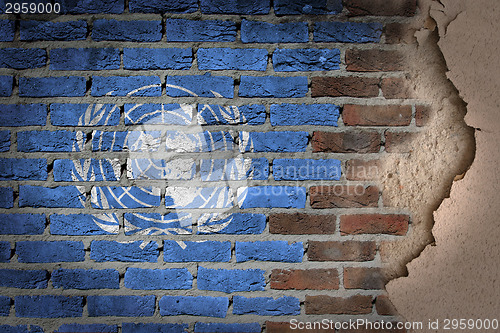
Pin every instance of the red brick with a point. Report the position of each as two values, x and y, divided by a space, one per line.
400 142
345 86
341 251
396 88
422 115
284 327
374 60
344 196
316 279
362 170
381 7
392 224
302 224
361 329
376 115
346 142
363 278
354 305
398 33
384 306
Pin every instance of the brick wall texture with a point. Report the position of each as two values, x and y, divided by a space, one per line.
199 166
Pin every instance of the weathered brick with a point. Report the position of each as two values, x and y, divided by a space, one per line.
354 305
285 141
92 7
150 59
235 59
103 251
129 31
363 169
345 86
347 32
48 31
138 141
23 169
384 306
48 141
400 142
235 224
178 223
86 170
255 7
263 32
201 85
280 251
301 224
57 197
152 327
101 328
399 33
346 142
198 197
272 197
126 86
227 327
5 303
68 86
20 328
194 306
23 114
363 278
230 280
48 306
273 86
177 169
393 87
381 7
22 224
422 115
82 224
6 85
341 251
180 30
304 114
374 60
6 197
293 60
163 6
199 142
22 58
204 251
155 279
24 279
175 114
106 197
7 30
84 59
306 169
84 114
44 252
84 279
209 114
377 115
266 306
121 306
391 224
315 279
298 7
344 196
5 252
234 169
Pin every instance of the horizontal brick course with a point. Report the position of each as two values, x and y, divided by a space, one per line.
374 60
300 223
341 251
377 115
316 279
374 224
346 142
343 196
345 86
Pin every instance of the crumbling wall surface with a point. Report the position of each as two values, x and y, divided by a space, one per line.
457 277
